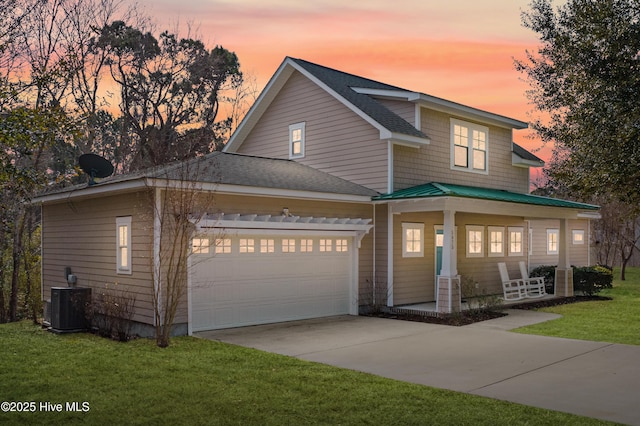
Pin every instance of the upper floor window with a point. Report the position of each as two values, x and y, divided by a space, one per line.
296 140
469 146
123 245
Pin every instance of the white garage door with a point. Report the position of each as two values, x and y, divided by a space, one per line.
258 279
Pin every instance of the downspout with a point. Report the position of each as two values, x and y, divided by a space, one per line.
157 234
373 278
529 245
389 255
389 225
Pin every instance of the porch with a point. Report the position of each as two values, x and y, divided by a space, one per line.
430 308
457 234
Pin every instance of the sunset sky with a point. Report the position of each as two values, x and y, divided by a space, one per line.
460 50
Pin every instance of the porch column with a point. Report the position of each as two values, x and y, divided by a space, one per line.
564 272
448 299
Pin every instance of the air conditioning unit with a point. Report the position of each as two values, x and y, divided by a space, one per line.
68 307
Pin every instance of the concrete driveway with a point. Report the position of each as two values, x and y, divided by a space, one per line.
593 379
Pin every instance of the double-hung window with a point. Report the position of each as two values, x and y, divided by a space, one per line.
553 239
475 241
469 146
412 239
123 245
496 241
296 140
516 235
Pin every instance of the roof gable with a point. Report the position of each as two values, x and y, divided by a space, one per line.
358 94
340 86
344 84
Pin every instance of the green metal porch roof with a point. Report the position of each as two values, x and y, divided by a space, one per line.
433 189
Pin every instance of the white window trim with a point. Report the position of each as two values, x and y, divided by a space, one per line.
301 127
412 226
471 127
495 229
576 232
520 230
482 240
557 233
120 269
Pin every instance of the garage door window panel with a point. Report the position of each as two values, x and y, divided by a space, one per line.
267 245
288 245
200 246
223 245
326 245
306 245
247 245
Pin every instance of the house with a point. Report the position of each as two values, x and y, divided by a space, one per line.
335 192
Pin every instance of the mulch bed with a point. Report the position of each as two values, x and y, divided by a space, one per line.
556 302
470 317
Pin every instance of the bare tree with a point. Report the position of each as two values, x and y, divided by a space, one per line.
86 62
238 99
177 206
169 91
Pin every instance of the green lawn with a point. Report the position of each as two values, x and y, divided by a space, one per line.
614 321
204 382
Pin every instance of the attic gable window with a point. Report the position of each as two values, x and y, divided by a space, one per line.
296 140
469 146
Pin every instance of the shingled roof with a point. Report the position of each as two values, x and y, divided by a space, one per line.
237 169
525 155
343 84
233 169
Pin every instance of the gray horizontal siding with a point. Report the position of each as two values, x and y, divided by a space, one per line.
82 235
337 140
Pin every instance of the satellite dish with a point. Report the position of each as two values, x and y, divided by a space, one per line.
95 166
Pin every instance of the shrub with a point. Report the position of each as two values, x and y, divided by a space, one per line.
477 299
548 272
111 312
591 280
